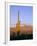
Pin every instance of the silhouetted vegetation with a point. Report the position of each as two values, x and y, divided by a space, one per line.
21 37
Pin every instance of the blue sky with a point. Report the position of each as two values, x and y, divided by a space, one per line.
25 14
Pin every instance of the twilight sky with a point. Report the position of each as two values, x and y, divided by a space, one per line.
25 14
